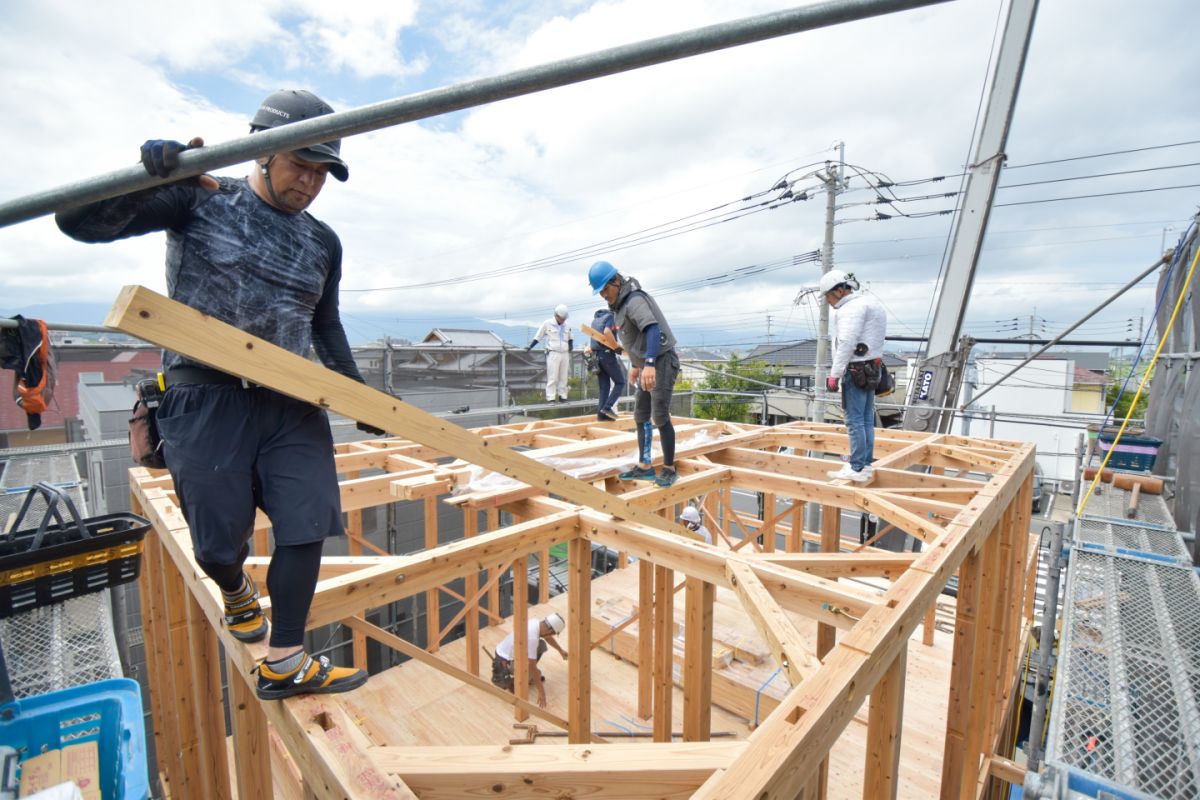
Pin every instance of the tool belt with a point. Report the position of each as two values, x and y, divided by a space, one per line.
202 375
145 444
502 673
865 374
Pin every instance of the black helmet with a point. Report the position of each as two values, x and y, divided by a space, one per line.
293 105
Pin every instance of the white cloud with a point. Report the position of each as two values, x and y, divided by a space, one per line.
520 180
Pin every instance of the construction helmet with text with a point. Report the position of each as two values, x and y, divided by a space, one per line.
293 105
556 623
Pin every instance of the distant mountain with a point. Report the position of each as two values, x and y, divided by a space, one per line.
77 313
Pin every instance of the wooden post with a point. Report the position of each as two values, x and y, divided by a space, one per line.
698 649
885 723
493 595
251 743
433 599
930 624
471 588
183 697
544 576
958 717
205 657
354 531
768 528
831 542
154 631
645 626
520 623
579 639
664 652
795 538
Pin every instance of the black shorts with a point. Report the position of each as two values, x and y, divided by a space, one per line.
231 450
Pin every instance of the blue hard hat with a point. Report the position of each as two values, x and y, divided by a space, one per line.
600 274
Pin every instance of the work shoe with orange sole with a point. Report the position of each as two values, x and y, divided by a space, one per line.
313 676
244 617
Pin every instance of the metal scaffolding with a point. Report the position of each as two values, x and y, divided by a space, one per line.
1125 714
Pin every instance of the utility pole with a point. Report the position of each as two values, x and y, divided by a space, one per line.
833 185
834 182
768 328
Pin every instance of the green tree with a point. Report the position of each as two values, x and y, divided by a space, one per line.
1114 389
732 378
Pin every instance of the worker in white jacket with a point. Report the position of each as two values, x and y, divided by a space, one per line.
559 344
860 325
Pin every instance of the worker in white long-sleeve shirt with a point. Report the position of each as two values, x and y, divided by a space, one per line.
860 326
540 636
557 335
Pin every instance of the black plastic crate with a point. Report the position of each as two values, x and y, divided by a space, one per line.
63 558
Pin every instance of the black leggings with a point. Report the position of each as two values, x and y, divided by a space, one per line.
291 581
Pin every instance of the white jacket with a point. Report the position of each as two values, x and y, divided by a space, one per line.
557 337
857 318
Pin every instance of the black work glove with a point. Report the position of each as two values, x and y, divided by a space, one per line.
570 345
160 157
371 429
531 345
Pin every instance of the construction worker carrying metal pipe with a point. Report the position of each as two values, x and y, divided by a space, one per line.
860 325
559 344
540 636
248 253
650 345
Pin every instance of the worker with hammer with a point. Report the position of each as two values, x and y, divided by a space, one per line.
541 635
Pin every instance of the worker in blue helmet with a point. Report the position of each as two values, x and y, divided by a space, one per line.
650 345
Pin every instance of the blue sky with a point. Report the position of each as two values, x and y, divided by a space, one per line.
568 170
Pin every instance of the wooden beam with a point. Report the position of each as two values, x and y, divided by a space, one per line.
205 658
433 604
617 771
403 576
470 591
698 657
251 747
411 650
785 642
645 632
579 639
664 652
471 605
166 323
841 565
813 596
885 724
520 629
493 596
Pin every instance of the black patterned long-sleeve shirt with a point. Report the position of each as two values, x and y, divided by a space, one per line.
237 258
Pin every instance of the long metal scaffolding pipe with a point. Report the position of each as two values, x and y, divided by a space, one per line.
1084 319
458 97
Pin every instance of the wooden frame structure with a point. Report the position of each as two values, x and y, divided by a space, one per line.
967 500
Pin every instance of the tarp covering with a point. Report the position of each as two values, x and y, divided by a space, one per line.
1173 413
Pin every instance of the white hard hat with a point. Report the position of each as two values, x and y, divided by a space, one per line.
561 310
556 623
832 279
690 514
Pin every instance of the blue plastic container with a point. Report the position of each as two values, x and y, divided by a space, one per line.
1132 452
106 712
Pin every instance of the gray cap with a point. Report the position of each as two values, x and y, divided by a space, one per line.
293 105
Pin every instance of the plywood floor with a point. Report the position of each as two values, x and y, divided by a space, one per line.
413 704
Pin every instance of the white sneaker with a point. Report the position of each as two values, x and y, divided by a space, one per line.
863 475
844 474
